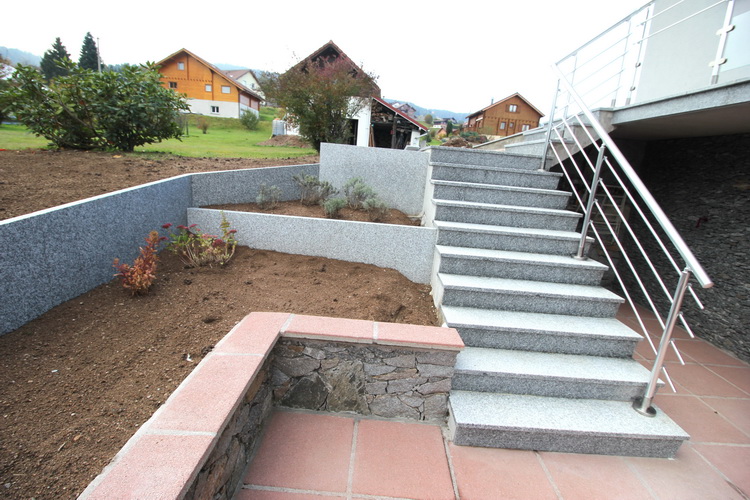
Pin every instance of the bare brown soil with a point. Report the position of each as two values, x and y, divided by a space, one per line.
77 382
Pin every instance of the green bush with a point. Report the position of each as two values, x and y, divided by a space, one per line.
268 197
333 206
376 209
357 192
249 120
312 190
97 110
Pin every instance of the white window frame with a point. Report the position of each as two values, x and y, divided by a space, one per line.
172 85
181 66
524 128
512 108
215 109
208 87
502 125
226 89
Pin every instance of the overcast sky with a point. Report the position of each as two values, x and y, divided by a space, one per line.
456 56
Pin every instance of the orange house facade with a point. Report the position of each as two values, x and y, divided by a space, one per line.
512 115
209 90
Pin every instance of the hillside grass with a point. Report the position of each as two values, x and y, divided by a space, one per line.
224 137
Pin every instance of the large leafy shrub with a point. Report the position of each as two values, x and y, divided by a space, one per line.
90 110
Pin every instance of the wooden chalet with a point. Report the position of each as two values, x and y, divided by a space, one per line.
208 89
391 127
509 116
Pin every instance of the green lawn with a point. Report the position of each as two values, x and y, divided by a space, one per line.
224 137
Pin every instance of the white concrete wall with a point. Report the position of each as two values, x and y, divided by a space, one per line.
226 109
363 127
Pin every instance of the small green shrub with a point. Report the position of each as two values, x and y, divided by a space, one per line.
249 120
203 124
312 190
333 206
268 197
376 209
197 249
357 192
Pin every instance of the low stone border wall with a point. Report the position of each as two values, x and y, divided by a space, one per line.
407 249
199 442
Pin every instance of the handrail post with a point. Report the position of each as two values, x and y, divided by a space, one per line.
643 405
548 135
590 204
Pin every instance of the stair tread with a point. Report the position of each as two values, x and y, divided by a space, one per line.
519 257
541 173
489 319
515 231
527 364
457 281
500 187
561 415
508 208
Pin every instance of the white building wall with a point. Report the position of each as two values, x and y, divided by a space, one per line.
363 126
226 109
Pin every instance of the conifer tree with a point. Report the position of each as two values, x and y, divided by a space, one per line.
51 60
89 58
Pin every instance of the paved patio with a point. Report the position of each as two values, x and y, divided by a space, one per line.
307 455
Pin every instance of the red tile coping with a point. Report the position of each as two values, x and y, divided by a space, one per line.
164 456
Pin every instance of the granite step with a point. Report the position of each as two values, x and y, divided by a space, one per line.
528 296
560 424
505 215
549 374
541 332
519 265
500 195
484 158
459 234
495 175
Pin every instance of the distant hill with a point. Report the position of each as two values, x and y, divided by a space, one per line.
16 56
439 113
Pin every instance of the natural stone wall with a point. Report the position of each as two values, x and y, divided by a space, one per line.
703 185
220 477
366 379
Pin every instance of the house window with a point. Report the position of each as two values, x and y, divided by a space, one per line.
512 124
208 87
513 108
172 85
502 125
214 109
524 128
226 89
181 66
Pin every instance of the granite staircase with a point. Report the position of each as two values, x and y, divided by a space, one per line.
547 366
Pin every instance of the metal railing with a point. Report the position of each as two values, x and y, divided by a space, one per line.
649 259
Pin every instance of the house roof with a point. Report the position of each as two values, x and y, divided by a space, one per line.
238 73
502 101
212 68
400 113
335 49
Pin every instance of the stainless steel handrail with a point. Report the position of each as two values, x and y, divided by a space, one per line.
611 163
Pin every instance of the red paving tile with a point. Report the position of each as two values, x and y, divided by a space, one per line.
687 477
402 460
156 467
409 335
732 461
255 334
593 477
737 411
281 495
186 409
488 473
304 451
702 423
739 376
705 353
700 381
314 326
